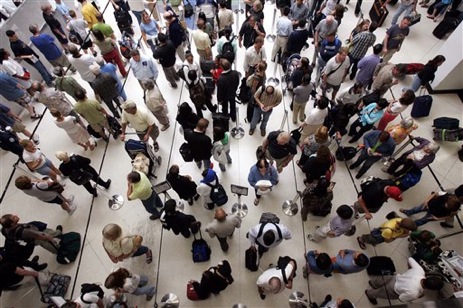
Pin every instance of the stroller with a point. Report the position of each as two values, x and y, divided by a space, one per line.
291 64
127 44
143 157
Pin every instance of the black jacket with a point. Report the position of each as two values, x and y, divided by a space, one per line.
210 283
201 145
227 85
296 41
182 185
178 222
165 54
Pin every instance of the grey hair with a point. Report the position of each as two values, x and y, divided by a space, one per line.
407 122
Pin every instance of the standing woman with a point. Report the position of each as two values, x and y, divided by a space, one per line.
123 281
259 174
426 75
395 108
109 51
75 131
149 30
16 70
37 161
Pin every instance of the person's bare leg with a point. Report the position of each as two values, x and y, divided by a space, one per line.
56 170
53 176
83 145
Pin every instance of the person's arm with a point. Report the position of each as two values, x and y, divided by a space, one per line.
113 258
148 132
23 272
363 206
123 128
129 190
265 144
385 42
252 235
289 285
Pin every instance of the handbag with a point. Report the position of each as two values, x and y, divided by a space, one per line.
191 293
80 177
188 9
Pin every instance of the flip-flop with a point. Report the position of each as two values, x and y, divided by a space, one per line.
156 147
149 256
35 117
361 243
403 211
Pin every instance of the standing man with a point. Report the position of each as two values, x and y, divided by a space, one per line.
253 56
394 38
55 25
249 32
284 29
111 69
225 16
82 63
165 52
266 98
11 90
227 85
267 235
276 280
176 33
405 287
66 83
137 7
299 11
335 72
21 50
89 13
368 65
279 147
105 86
327 25
104 28
297 39
45 43
200 143
407 6
202 41
142 120
223 226
144 68
139 187
362 42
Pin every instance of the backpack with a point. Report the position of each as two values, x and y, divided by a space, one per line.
200 249
75 38
123 19
345 153
218 194
69 247
268 217
198 93
89 288
282 264
365 183
227 50
409 180
245 94
314 204
446 123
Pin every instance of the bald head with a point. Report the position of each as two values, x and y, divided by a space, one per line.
220 215
329 19
283 138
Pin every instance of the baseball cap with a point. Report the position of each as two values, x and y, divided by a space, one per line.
394 192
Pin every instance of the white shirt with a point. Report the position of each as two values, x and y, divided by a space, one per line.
254 232
91 297
408 284
136 5
201 39
140 121
30 157
336 77
225 18
263 280
252 57
284 26
397 107
131 283
349 97
316 116
82 66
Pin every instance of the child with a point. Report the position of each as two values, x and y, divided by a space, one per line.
337 225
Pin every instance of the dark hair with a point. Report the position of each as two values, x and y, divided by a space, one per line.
322 187
69 304
98 35
362 260
377 49
269 237
10 33
306 79
2 55
79 94
435 61
286 10
134 177
301 23
433 283
262 162
174 170
162 38
170 205
7 221
382 103
344 211
192 75
408 97
357 85
227 31
323 261
323 155
218 133
184 109
345 303
384 136
116 279
323 102
202 16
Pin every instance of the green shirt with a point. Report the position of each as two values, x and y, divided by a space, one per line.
90 110
104 28
143 189
105 46
69 85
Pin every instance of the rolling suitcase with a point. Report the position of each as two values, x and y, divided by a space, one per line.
221 120
421 106
445 26
251 260
451 135
57 285
380 265
378 13
446 123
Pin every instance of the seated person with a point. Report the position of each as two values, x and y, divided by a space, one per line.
388 232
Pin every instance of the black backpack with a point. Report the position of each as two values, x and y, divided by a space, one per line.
75 38
89 288
123 19
218 194
227 50
198 94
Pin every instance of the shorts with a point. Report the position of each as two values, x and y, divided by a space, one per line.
99 127
335 88
18 127
57 200
46 168
62 40
24 100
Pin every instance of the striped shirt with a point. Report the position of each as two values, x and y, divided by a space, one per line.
362 42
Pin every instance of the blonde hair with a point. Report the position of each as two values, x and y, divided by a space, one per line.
25 142
112 231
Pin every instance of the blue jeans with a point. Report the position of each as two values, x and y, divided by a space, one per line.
43 71
151 203
256 116
418 209
416 84
137 15
205 162
402 8
121 91
140 251
144 289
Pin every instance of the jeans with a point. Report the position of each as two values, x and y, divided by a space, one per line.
206 162
402 8
229 161
256 116
416 84
148 290
418 209
223 243
362 129
113 107
407 165
353 65
43 71
141 251
358 7
151 203
367 161
137 15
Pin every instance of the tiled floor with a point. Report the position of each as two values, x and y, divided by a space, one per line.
172 266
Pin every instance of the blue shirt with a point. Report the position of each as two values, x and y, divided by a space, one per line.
63 10
347 265
366 68
45 43
144 69
312 264
369 115
150 28
255 176
284 26
9 88
111 69
5 119
329 49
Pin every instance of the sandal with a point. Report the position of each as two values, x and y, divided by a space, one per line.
156 147
35 117
149 257
256 202
361 243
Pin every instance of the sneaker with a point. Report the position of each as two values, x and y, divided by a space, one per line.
72 209
371 299
58 228
163 128
35 139
154 217
71 199
107 184
262 296
149 297
311 238
445 225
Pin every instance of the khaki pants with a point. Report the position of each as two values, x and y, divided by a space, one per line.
279 44
63 62
298 111
308 130
384 288
387 56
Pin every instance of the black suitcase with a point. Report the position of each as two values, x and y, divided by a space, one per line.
206 67
221 120
185 151
210 85
393 2
378 13
251 260
445 26
69 247
446 123
115 126
421 106
381 265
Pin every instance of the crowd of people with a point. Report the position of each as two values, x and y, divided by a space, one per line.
88 47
